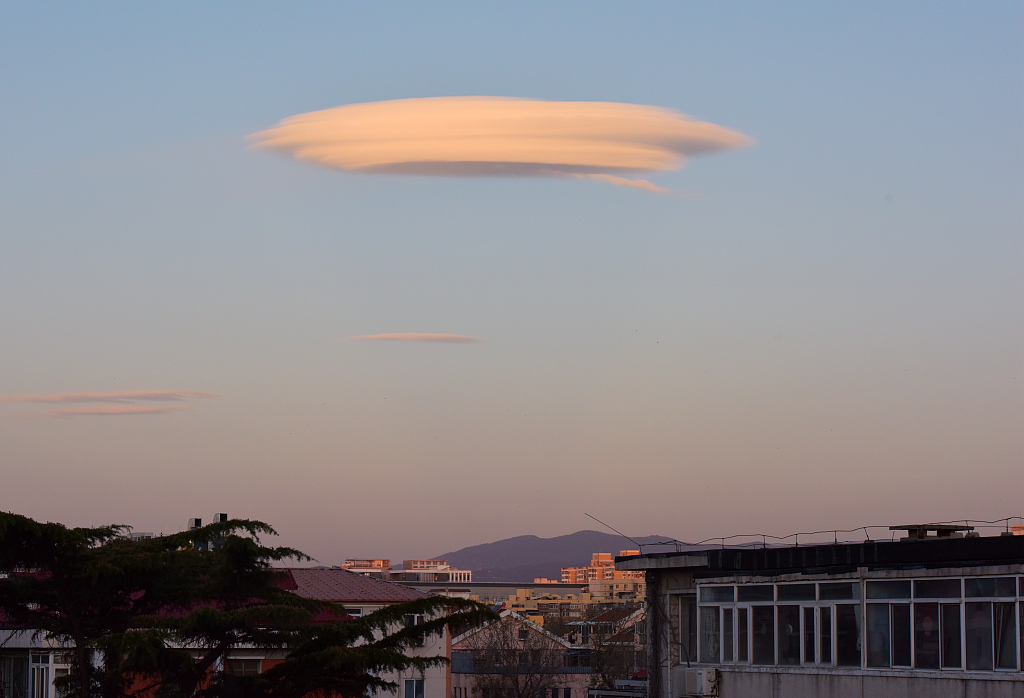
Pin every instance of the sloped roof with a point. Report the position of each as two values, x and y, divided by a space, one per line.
615 614
512 617
342 586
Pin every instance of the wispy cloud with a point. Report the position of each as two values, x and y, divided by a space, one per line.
121 396
104 411
416 337
500 136
118 403
626 182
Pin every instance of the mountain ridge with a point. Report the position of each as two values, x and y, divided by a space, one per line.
524 558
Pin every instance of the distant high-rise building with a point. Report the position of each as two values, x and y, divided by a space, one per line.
601 567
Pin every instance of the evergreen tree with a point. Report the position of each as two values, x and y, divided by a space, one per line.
157 617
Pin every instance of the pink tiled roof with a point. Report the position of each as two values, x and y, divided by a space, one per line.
342 586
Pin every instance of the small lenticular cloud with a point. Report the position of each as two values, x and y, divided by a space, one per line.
119 403
104 411
121 396
416 337
499 136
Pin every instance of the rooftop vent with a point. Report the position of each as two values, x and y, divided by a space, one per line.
933 531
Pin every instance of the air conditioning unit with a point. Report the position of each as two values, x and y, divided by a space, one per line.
694 682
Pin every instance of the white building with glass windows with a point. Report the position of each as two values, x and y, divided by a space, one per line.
28 665
935 616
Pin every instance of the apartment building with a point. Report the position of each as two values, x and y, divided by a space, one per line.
937 614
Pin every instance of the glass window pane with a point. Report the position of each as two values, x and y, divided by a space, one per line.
848 634
742 636
825 634
949 627
789 634
796 592
888 590
979 636
900 634
688 627
839 591
761 592
990 586
726 634
878 634
717 594
1005 628
926 635
763 634
809 635
710 639
936 588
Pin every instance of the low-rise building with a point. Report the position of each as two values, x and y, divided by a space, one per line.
29 662
361 595
412 570
495 592
369 567
930 615
570 607
430 571
516 657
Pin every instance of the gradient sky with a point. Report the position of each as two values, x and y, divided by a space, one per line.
824 329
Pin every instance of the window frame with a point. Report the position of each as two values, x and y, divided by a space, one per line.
897 606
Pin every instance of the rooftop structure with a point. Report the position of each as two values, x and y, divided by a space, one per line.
922 531
424 564
369 567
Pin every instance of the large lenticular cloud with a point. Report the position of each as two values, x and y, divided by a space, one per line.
499 136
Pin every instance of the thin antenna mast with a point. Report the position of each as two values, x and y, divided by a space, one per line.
639 545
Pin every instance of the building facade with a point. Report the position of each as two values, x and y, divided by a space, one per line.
601 567
924 617
412 570
516 658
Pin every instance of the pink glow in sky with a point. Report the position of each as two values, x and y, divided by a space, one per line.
828 333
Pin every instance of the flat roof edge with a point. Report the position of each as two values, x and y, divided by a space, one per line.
660 561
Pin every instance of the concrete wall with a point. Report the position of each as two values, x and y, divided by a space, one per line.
769 684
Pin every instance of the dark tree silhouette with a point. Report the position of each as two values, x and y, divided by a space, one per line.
157 617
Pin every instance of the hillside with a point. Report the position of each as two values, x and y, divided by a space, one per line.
523 558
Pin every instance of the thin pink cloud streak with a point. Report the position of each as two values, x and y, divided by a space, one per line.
104 411
117 397
416 337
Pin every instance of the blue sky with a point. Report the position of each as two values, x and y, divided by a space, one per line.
830 335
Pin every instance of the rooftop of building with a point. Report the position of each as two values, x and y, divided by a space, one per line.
836 558
342 586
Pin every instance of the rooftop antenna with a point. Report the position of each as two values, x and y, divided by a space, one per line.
639 545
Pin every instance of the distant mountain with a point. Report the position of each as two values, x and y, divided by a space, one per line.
523 558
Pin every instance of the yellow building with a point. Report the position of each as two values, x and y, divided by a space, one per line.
601 567
571 607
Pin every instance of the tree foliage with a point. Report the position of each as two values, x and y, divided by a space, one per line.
157 617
